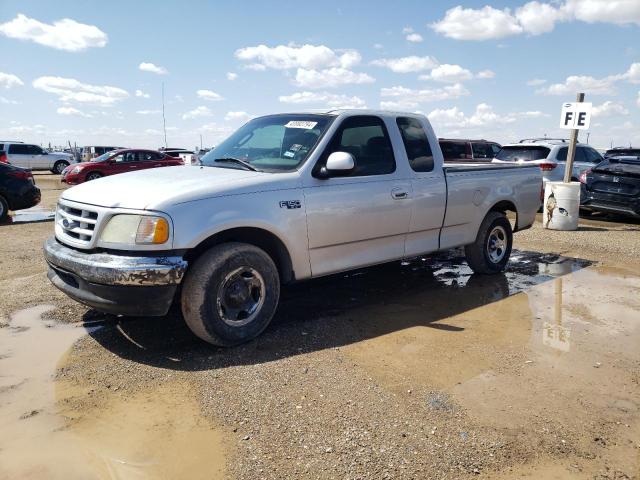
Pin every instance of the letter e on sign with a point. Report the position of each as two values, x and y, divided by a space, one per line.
575 116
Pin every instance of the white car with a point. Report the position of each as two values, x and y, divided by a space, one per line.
550 155
34 157
287 197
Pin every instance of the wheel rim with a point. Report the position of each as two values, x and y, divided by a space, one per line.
497 244
92 176
2 212
240 296
60 168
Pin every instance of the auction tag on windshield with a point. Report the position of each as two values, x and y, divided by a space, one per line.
301 124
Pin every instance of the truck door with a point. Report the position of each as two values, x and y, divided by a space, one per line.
362 217
428 187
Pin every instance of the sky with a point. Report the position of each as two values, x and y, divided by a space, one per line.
92 73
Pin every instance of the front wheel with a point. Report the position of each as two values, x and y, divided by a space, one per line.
4 209
93 176
492 248
230 294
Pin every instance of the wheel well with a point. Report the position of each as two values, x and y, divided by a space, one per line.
505 206
258 237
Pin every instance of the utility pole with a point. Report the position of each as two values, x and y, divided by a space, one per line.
200 141
164 122
572 147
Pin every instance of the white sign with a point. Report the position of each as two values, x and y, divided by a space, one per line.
301 124
575 116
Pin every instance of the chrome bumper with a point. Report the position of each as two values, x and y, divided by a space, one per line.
111 269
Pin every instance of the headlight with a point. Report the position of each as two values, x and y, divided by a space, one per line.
136 230
76 170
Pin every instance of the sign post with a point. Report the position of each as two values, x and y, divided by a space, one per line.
574 116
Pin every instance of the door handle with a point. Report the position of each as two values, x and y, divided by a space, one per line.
399 194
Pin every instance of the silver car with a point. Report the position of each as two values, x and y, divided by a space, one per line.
550 155
34 157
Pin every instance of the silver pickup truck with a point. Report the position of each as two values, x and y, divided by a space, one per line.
285 198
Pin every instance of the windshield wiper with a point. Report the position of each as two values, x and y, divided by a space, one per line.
245 164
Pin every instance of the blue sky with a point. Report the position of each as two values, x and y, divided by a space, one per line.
493 69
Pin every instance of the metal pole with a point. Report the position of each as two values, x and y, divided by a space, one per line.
568 169
164 122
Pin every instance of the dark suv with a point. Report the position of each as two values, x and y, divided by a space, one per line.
464 150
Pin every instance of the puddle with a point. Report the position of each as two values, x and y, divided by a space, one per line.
153 434
30 215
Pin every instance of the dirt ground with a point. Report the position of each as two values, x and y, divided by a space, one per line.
413 370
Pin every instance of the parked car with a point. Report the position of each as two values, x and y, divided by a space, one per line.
17 189
287 197
550 155
90 152
34 157
463 151
612 186
622 152
189 157
118 161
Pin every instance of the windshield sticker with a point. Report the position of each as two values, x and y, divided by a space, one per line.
301 124
295 147
289 154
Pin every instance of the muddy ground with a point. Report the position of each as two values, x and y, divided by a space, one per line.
414 370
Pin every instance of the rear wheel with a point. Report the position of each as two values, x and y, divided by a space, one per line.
93 176
59 166
230 294
4 209
492 248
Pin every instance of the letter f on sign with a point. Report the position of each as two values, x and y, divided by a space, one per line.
568 118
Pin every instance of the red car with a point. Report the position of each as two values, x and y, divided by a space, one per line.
117 161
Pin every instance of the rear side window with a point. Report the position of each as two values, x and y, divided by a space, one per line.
453 150
416 144
592 155
522 154
366 138
19 149
482 151
562 154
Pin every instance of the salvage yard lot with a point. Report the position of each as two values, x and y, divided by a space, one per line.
418 370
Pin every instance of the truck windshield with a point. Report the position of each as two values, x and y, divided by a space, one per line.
274 143
522 154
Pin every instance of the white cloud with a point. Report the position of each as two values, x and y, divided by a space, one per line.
536 82
403 98
484 74
140 93
406 64
414 38
482 24
148 112
330 78
72 111
7 101
533 18
483 116
284 57
209 95
71 90
609 11
581 83
150 67
608 109
331 100
378 46
638 101
8 80
197 112
241 116
448 73
633 74
65 34
231 76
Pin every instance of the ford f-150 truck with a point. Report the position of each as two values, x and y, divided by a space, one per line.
285 198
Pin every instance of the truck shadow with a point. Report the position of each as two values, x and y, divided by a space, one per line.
338 310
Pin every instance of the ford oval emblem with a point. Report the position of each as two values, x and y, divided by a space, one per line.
65 223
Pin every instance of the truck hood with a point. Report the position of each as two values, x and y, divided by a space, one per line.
159 188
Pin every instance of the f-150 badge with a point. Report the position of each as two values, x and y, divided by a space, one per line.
290 204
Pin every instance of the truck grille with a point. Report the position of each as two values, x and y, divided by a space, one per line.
76 224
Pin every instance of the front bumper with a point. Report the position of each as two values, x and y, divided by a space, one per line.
114 283
610 203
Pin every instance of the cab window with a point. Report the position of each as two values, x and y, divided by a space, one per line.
416 144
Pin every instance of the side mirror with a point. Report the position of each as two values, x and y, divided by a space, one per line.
337 163
44 152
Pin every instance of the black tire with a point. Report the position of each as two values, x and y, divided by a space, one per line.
92 176
4 209
209 287
59 166
483 256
